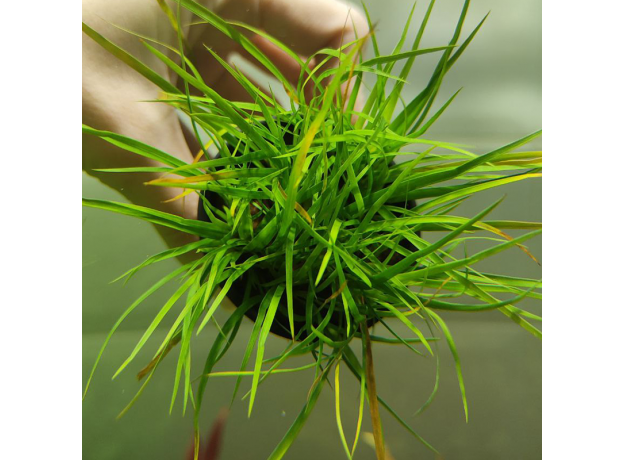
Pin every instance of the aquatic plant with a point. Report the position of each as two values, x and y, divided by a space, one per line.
315 226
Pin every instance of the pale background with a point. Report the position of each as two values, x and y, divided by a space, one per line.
501 101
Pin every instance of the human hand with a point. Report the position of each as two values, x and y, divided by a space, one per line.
112 91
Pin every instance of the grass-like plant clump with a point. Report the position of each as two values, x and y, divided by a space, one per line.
313 224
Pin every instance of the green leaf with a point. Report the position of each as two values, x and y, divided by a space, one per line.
443 267
289 280
408 323
408 261
345 445
154 324
399 56
132 145
194 227
129 310
290 436
453 348
129 60
275 297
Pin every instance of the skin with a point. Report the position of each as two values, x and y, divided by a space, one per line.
112 91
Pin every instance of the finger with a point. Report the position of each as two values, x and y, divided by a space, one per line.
310 25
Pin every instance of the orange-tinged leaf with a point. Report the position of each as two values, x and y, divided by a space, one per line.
199 155
181 195
147 369
437 291
300 209
508 238
335 294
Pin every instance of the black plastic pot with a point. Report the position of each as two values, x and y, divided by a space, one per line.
280 324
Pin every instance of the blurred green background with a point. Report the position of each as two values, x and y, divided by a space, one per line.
501 101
